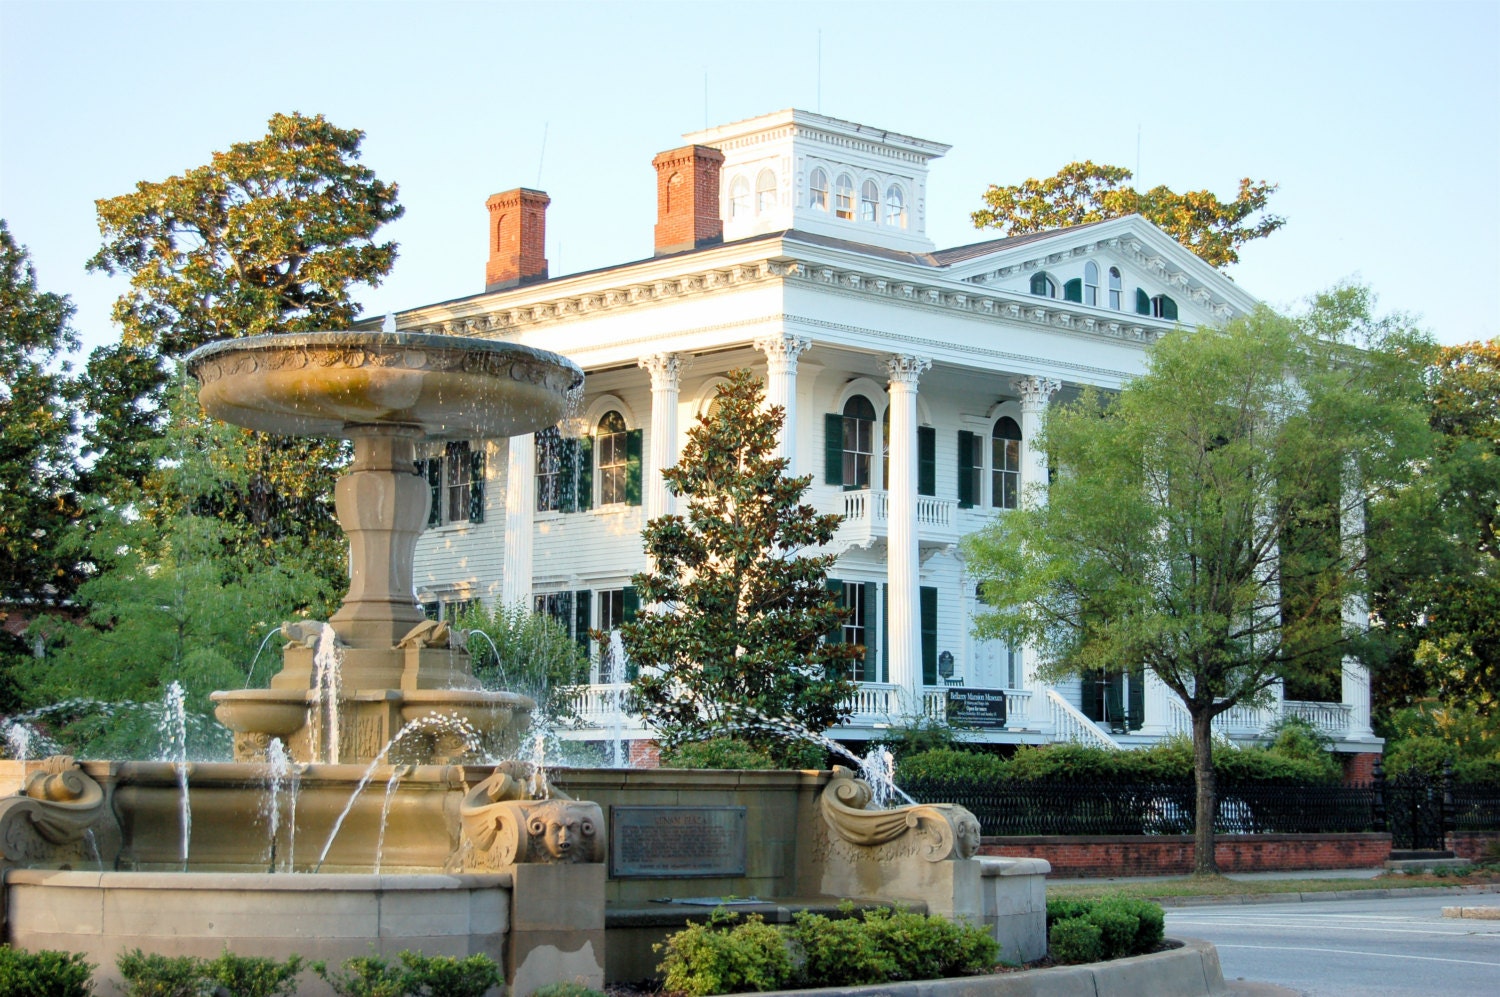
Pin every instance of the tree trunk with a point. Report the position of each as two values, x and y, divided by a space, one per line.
1204 862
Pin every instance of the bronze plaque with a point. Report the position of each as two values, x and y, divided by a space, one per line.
676 842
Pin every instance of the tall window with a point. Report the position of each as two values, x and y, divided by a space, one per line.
765 192
1043 285
817 193
856 628
739 198
550 470
869 202
455 477
1091 283
859 442
1005 464
614 460
895 207
1114 288
843 197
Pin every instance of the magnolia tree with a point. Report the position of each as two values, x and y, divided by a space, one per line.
733 644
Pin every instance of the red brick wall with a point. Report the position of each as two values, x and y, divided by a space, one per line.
1360 768
1472 844
1172 855
518 238
687 199
645 755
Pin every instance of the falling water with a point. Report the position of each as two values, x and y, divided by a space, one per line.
385 812
327 685
877 767
499 665
453 723
173 729
538 786
278 768
614 669
93 845
266 640
18 740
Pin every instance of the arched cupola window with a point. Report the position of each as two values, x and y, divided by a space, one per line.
895 207
817 189
1114 288
843 197
1091 283
1043 285
869 203
765 192
739 198
1164 307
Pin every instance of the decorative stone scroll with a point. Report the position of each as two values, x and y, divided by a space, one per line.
61 819
516 817
939 832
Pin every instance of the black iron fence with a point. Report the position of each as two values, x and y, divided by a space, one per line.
1412 807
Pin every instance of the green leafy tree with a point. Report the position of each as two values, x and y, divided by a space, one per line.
526 652
36 420
735 642
1439 549
1089 192
1163 540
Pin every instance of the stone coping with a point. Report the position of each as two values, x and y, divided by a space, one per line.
1190 970
257 882
1014 840
675 914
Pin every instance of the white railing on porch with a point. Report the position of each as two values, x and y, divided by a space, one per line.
869 511
603 705
1069 723
1330 718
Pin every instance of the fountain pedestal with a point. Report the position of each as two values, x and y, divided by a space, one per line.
387 392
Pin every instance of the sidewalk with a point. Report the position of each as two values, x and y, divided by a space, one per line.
1459 888
1245 876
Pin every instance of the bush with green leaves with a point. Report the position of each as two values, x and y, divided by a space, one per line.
156 975
839 952
1125 926
414 975
252 976
929 947
725 955
44 973
1074 940
731 753
566 990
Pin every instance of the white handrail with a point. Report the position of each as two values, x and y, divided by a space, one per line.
1069 723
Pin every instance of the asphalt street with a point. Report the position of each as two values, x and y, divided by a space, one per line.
1399 946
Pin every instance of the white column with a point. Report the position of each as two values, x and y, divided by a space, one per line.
1035 393
902 555
782 351
665 370
520 509
1158 707
1354 688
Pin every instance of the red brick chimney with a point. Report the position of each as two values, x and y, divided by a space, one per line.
687 199
518 238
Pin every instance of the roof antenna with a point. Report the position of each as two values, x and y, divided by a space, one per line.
542 155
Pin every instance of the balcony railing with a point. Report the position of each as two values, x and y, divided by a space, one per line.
1330 718
867 515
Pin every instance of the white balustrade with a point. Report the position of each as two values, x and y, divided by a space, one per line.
868 512
1330 718
1069 723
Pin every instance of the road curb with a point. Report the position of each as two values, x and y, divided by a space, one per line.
1307 898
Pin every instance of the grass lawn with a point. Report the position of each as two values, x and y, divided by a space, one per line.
1220 886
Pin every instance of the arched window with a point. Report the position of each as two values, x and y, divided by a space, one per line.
1164 307
843 197
1091 283
859 441
1043 285
869 202
1005 463
614 459
1114 288
817 189
739 198
765 192
895 207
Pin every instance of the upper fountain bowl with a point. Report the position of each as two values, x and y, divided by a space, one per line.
342 384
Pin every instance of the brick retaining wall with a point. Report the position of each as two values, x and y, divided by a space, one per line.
1465 844
1172 855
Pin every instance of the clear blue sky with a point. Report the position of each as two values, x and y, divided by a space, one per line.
1381 122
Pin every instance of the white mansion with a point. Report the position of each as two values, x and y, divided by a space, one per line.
913 380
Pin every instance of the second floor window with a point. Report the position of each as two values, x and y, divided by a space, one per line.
1005 457
614 461
859 442
456 479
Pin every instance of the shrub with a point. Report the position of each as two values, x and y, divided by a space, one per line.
445 976
716 753
929 947
566 990
162 976
44 973
950 763
1127 926
1074 939
839 953
252 976
723 957
1060 909
1117 929
365 976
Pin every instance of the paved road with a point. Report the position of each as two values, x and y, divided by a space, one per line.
1401 946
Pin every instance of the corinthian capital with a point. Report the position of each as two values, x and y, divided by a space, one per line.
665 368
905 369
782 350
1035 392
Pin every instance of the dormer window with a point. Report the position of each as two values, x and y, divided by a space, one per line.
869 203
1042 285
765 192
1164 307
843 197
817 194
739 198
895 207
1114 288
1091 283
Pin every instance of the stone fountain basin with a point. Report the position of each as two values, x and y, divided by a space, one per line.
275 712
341 383
483 710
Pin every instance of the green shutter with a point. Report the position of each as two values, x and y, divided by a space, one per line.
1142 302
965 469
885 633
583 489
929 604
1168 308
435 487
833 448
476 484
869 590
632 603
926 460
633 444
567 480
1137 713
1073 290
582 619
835 588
